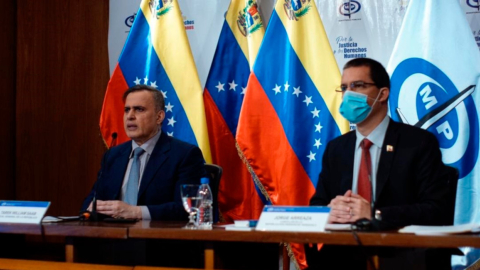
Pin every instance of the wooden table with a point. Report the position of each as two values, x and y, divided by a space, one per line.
174 231
69 230
168 230
162 230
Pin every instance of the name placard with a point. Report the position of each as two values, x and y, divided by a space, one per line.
22 211
293 218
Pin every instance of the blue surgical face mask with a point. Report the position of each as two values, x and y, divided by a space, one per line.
355 107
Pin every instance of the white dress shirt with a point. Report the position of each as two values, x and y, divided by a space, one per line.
377 137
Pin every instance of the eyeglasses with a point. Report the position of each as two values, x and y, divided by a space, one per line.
354 86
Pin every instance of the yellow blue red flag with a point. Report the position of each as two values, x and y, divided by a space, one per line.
238 44
157 53
290 109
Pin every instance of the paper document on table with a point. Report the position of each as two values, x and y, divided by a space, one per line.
233 227
338 227
50 219
246 223
441 230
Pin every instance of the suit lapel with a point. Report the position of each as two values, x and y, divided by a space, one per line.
117 176
386 157
156 160
347 166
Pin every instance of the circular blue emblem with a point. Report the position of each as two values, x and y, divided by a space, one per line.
349 8
474 3
130 19
429 100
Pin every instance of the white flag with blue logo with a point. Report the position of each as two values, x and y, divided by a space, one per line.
435 70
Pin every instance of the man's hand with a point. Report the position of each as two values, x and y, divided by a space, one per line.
340 208
348 208
360 207
118 209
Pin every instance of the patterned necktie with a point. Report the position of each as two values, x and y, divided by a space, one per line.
364 185
131 193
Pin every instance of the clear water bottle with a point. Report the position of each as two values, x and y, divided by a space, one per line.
205 208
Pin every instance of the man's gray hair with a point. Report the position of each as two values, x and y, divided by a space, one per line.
157 95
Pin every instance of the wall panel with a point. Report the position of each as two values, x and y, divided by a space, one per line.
62 73
7 98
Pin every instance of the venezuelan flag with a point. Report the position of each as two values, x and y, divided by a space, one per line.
238 44
157 53
290 110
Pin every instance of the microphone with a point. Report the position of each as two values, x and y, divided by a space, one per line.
93 215
114 140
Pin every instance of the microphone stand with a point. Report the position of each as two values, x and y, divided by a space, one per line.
94 215
114 140
375 223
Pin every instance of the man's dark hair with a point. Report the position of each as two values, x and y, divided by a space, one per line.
157 95
378 74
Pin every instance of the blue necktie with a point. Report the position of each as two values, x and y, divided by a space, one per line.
131 193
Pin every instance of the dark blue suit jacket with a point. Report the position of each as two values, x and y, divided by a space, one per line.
411 186
172 163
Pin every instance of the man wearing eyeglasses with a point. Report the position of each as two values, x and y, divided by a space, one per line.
383 171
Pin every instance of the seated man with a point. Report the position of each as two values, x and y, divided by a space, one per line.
142 177
383 169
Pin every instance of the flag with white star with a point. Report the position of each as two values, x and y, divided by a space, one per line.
225 88
290 109
157 53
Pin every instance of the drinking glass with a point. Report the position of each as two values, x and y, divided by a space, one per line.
189 199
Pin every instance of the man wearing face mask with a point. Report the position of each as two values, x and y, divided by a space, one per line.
383 170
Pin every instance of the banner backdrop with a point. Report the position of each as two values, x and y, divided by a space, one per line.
362 28
121 17
472 12
203 21
354 27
